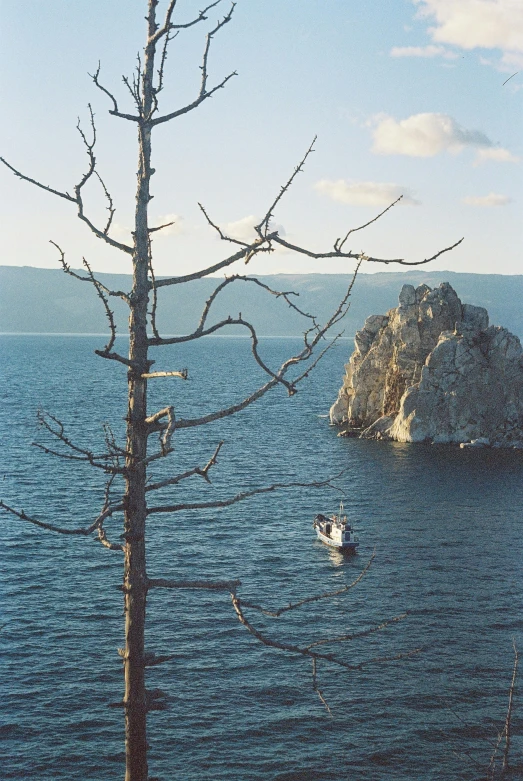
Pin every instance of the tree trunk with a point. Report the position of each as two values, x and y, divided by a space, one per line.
135 573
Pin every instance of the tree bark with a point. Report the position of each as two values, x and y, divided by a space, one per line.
135 572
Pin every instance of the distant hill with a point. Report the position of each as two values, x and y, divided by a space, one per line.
35 300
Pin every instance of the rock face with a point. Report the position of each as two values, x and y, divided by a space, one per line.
433 370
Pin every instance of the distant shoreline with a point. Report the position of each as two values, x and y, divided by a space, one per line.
125 336
47 301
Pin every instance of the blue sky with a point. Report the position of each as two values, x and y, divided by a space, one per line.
405 96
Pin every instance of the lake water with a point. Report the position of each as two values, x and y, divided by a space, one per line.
445 523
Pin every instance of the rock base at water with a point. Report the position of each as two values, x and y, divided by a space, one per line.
433 370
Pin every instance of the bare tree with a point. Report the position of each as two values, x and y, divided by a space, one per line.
130 464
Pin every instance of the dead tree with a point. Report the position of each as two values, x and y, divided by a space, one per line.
131 463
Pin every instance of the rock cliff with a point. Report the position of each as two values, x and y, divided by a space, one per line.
433 370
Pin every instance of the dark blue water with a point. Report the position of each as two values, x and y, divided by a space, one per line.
446 525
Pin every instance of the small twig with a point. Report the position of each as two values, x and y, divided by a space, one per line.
509 709
317 689
510 77
263 227
338 245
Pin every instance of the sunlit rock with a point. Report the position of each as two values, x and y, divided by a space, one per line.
433 370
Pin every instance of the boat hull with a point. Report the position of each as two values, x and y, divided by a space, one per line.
349 547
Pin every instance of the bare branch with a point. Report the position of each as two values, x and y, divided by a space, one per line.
114 111
161 227
191 106
200 471
312 365
308 600
338 245
167 25
154 291
111 441
109 314
199 332
77 188
25 178
361 255
357 635
83 454
204 92
152 660
219 231
163 60
82 531
173 508
101 290
304 355
86 459
317 689
210 35
227 411
110 207
509 709
305 651
102 537
263 227
114 357
89 145
166 430
134 90
68 270
240 255
163 413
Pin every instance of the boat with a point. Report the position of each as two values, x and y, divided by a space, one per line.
336 531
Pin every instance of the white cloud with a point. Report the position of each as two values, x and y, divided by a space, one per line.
476 24
423 51
497 153
492 199
364 193
424 135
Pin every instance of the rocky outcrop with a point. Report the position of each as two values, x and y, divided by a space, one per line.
433 370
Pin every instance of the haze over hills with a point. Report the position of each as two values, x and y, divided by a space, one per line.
36 300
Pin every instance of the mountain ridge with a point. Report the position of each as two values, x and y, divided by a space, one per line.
36 300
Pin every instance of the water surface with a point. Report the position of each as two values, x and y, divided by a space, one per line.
445 523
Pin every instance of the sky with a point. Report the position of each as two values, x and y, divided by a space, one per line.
419 98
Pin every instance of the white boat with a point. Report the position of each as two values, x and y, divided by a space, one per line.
336 531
